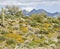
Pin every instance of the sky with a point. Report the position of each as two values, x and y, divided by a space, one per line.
48 5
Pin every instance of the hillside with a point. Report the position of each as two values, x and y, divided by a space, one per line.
37 31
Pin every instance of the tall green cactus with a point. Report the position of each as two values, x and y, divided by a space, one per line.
3 21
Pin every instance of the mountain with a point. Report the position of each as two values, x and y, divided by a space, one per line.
53 14
34 11
39 11
25 12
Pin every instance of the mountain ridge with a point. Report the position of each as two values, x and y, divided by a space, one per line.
39 11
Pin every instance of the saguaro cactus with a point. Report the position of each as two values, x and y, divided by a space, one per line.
3 21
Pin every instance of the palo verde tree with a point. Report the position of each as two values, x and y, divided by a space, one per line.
13 11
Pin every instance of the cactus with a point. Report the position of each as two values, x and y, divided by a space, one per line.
3 21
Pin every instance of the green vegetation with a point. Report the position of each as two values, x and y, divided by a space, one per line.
37 30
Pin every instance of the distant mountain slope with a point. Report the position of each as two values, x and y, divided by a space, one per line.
34 11
25 12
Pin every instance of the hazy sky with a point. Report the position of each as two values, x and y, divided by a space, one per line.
49 5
